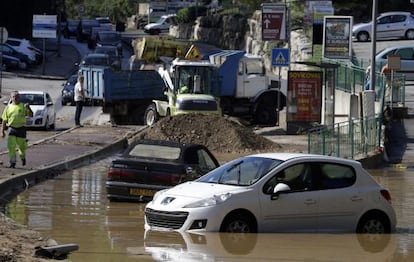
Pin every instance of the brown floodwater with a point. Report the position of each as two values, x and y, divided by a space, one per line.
73 208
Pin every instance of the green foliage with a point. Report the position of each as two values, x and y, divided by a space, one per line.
114 9
190 14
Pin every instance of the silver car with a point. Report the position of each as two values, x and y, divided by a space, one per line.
406 54
389 25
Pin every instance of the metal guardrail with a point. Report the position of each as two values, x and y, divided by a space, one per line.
353 139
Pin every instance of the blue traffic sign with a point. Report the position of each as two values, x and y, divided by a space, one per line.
280 57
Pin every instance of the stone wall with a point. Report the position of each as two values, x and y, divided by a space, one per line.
241 33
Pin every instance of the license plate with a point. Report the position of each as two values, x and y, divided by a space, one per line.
141 192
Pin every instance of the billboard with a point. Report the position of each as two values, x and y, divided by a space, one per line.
304 100
337 37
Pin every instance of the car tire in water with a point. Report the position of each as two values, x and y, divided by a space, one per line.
239 223
374 223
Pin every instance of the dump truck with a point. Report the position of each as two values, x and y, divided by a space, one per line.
245 89
124 95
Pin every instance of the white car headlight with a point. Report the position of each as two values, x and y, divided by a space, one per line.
39 113
158 193
211 201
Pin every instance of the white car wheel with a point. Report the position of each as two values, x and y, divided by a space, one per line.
409 34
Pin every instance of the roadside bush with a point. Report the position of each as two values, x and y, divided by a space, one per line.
190 14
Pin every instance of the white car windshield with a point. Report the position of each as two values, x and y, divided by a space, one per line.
32 99
241 172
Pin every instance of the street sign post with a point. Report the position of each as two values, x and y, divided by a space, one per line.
280 57
3 38
3 35
273 22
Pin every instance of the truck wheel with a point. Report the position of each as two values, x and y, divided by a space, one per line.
265 115
151 115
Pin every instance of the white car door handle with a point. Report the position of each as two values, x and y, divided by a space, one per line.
310 201
356 198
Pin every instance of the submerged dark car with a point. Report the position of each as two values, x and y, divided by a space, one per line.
68 90
151 165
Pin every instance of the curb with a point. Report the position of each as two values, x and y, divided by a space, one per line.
19 183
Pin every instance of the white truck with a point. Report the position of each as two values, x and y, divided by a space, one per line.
246 90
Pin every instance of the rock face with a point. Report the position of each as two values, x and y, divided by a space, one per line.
227 32
241 33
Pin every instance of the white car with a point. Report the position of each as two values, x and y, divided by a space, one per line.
26 47
389 25
276 192
406 54
44 115
161 25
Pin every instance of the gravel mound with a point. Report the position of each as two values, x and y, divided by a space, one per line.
219 134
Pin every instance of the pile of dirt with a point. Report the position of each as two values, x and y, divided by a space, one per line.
219 134
17 242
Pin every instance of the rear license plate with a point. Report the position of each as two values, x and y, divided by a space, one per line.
141 192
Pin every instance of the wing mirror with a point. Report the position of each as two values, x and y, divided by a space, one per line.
279 188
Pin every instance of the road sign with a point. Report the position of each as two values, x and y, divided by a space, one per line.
44 26
81 9
3 35
280 57
273 22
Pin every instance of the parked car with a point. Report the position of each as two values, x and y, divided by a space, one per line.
406 54
71 28
96 59
111 38
26 47
105 22
161 25
112 52
389 25
151 165
11 51
10 62
276 192
67 93
84 29
41 103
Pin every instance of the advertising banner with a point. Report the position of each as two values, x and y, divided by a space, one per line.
337 39
304 99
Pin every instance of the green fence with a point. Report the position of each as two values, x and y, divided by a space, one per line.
353 139
359 137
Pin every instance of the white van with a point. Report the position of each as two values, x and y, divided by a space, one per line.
162 25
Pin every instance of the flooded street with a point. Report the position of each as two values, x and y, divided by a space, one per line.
73 208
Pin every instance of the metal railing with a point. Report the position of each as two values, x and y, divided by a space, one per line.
352 139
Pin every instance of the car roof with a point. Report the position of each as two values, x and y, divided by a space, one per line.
293 156
395 13
166 143
31 92
96 55
387 49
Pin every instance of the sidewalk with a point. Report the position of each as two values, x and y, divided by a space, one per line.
64 151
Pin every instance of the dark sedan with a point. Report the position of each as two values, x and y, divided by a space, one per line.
68 90
10 51
151 165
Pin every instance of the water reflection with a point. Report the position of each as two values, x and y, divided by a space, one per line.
173 246
73 208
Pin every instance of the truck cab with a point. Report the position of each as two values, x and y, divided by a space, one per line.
190 88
